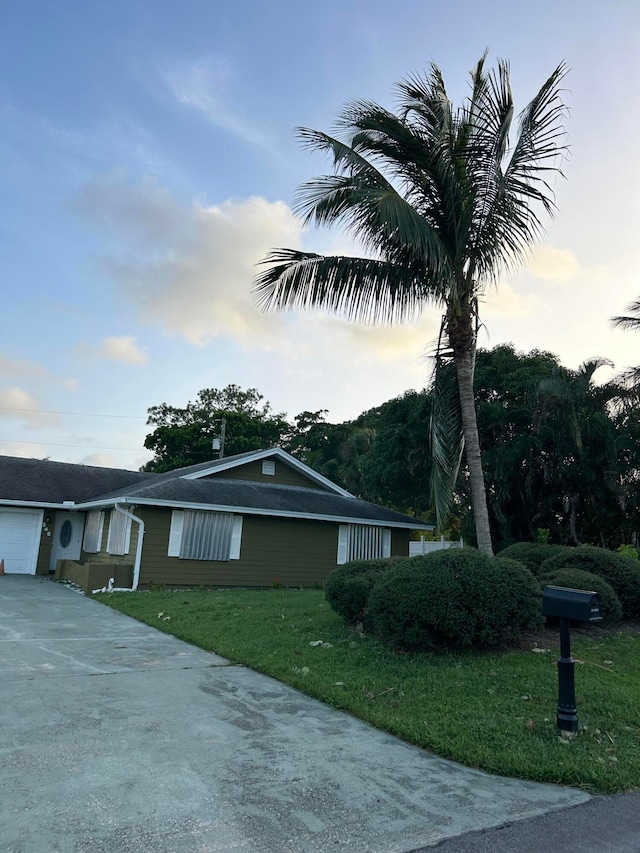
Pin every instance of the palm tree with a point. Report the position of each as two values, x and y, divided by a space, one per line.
630 322
441 202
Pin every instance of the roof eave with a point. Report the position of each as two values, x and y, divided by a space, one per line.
243 510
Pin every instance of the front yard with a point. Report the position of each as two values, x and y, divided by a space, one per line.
492 711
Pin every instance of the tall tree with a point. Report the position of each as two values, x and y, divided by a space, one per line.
183 436
442 202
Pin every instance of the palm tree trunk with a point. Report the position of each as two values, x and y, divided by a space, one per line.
464 373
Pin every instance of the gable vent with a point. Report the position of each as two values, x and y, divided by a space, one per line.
268 467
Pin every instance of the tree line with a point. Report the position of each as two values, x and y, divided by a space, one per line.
561 453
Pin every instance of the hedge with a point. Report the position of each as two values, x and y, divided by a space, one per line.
347 588
455 599
533 554
621 572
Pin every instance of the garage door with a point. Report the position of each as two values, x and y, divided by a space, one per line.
19 540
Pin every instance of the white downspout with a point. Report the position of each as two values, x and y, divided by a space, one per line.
140 523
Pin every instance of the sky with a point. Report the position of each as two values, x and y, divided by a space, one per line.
148 162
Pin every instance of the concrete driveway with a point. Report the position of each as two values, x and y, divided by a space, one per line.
116 737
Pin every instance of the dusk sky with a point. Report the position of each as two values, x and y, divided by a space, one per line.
148 161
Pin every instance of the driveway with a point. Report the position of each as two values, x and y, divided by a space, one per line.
116 737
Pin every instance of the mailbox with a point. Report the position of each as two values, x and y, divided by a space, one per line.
578 604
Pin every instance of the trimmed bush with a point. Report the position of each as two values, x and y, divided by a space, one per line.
532 554
347 588
621 572
455 599
579 579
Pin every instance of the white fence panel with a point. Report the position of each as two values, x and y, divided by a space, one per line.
424 547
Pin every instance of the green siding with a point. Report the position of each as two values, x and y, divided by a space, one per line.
285 475
297 552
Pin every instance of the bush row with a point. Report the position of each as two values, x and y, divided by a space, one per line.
460 598
619 571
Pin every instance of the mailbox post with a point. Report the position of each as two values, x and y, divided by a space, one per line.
567 604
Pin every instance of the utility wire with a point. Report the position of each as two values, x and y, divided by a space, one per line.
81 414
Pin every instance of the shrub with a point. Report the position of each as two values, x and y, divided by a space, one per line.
454 599
628 551
579 579
347 588
621 572
532 554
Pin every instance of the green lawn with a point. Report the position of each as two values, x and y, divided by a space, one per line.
492 711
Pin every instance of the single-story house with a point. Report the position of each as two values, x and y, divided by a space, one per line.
246 520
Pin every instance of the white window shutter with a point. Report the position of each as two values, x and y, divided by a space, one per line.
93 532
175 534
343 534
236 538
127 537
119 536
386 542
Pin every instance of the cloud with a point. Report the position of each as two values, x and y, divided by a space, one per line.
14 368
203 85
100 460
194 278
553 264
25 450
16 403
123 348
506 301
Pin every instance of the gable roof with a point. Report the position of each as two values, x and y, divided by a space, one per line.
207 469
40 481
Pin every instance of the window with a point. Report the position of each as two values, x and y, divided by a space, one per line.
119 533
363 542
93 531
197 535
269 467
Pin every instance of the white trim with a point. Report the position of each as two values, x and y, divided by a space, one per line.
247 510
37 504
236 538
386 542
175 533
262 454
343 535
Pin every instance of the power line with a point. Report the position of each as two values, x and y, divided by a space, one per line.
81 414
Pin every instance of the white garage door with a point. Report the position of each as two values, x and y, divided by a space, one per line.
19 540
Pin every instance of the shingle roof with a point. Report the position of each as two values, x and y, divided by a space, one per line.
43 481
264 498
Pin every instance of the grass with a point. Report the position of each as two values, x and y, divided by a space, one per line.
491 711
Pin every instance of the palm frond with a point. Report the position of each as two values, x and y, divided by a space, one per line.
629 322
446 435
360 289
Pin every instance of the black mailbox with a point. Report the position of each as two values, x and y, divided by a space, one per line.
580 605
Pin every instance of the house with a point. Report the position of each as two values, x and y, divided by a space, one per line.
243 520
